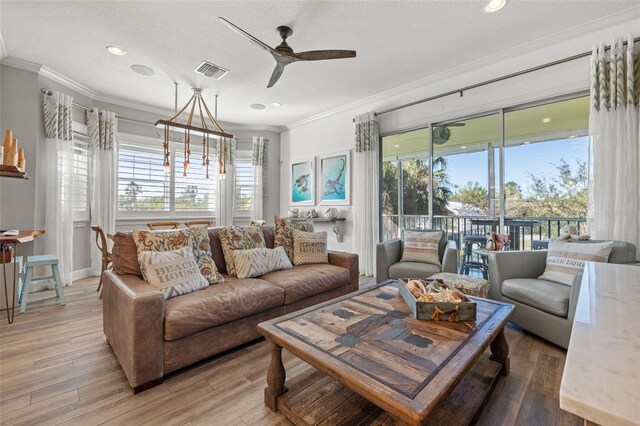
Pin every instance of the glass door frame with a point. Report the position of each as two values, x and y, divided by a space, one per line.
501 153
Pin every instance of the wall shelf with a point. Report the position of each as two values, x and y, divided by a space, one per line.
12 172
14 176
337 229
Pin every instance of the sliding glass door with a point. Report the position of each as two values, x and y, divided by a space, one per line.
521 171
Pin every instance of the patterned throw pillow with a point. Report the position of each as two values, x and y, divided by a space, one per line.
421 247
199 241
196 238
239 238
259 261
284 233
173 272
309 247
565 260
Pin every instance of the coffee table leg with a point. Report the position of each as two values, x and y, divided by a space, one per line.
500 352
275 378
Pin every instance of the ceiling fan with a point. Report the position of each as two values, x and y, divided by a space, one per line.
442 133
283 53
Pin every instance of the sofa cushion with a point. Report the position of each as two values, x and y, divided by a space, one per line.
125 254
309 247
565 259
308 280
218 304
548 296
259 261
284 233
422 247
239 238
413 270
173 272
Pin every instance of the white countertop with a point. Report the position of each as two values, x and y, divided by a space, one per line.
601 379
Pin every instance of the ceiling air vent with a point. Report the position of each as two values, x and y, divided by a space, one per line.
210 70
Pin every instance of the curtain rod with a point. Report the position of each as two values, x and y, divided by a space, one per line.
493 80
88 109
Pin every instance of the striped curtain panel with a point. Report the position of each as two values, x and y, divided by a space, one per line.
102 128
57 175
366 194
226 148
258 160
614 128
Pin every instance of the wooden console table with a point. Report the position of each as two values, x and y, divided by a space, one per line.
22 237
601 379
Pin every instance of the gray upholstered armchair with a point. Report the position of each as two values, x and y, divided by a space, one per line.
389 254
543 307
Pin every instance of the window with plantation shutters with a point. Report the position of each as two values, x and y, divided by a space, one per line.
244 185
194 193
80 173
143 185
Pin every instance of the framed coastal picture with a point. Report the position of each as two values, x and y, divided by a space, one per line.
335 178
303 182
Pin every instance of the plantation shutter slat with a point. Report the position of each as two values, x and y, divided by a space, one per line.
142 183
244 185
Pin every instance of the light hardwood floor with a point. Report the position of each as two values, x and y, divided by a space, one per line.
56 368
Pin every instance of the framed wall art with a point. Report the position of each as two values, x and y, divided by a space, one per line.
303 182
335 179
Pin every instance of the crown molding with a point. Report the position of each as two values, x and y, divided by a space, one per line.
630 15
66 82
12 61
127 103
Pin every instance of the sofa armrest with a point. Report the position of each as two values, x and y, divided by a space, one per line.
450 258
133 315
504 265
387 253
349 261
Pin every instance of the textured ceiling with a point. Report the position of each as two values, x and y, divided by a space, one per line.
397 43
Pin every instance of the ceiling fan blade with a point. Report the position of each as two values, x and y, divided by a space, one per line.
277 72
249 36
319 55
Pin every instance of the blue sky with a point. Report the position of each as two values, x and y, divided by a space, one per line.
520 161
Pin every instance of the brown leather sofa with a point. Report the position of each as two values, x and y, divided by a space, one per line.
152 337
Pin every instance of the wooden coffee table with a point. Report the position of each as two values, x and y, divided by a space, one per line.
376 364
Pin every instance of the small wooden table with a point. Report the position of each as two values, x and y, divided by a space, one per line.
378 364
22 237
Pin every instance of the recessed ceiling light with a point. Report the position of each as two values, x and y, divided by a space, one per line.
115 50
396 146
494 5
463 147
143 70
526 143
257 106
275 104
546 120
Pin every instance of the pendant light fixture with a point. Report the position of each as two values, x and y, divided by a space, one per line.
206 127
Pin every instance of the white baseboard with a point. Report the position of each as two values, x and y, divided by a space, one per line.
80 274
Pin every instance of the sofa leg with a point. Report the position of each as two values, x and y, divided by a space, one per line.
146 386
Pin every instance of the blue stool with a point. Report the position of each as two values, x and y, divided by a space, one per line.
30 282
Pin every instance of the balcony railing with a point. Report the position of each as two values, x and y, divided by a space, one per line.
523 231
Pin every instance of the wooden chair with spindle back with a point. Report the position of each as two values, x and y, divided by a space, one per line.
101 242
207 223
163 225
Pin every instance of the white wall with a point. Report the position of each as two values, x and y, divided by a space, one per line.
334 130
